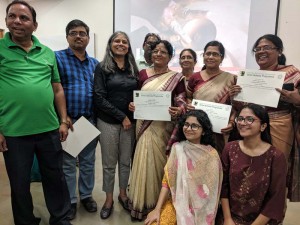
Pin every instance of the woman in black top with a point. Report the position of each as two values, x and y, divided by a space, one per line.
114 82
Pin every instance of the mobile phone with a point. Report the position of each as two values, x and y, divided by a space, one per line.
288 86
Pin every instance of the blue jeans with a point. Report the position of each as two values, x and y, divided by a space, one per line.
86 179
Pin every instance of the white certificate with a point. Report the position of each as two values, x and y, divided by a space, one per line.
84 132
152 105
258 86
218 114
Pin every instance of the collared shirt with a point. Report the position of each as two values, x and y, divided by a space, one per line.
77 78
26 94
142 63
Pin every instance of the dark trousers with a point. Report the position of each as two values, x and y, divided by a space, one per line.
18 161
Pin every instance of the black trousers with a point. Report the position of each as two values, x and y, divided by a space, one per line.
18 161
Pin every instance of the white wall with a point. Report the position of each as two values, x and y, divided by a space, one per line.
289 30
53 16
3 4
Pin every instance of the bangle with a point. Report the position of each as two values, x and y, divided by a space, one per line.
66 123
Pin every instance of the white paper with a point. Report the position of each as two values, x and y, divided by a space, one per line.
152 105
218 114
258 86
84 132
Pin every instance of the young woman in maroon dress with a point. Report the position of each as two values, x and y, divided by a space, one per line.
253 189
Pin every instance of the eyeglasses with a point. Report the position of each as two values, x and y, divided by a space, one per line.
80 33
248 119
214 54
193 126
264 48
155 52
150 43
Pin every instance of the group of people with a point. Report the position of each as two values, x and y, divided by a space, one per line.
180 170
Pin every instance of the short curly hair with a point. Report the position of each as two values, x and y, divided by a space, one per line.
201 116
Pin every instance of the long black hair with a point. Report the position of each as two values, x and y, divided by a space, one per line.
201 116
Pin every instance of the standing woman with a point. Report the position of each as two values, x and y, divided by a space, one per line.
212 84
115 80
253 189
268 54
187 61
153 136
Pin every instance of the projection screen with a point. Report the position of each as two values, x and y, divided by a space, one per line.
193 23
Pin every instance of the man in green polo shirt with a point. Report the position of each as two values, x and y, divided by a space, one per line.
30 91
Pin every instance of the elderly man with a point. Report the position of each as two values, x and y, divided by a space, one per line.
76 70
30 87
145 61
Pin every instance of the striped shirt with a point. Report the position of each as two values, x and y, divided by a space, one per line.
77 79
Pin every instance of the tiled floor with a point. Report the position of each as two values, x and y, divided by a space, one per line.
119 216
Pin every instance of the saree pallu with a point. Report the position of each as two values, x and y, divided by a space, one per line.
216 89
150 154
294 165
285 136
194 175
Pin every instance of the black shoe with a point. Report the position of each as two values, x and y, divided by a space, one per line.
89 204
72 212
105 212
124 204
134 219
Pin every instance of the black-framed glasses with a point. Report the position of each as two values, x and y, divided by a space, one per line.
80 33
193 126
264 48
248 119
214 54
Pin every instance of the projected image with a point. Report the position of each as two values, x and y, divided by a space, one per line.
193 23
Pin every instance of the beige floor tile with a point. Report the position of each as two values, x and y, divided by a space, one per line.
118 217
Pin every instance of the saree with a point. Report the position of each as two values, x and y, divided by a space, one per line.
215 89
281 118
194 176
290 138
150 153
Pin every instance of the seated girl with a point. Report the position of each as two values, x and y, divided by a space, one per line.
193 176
